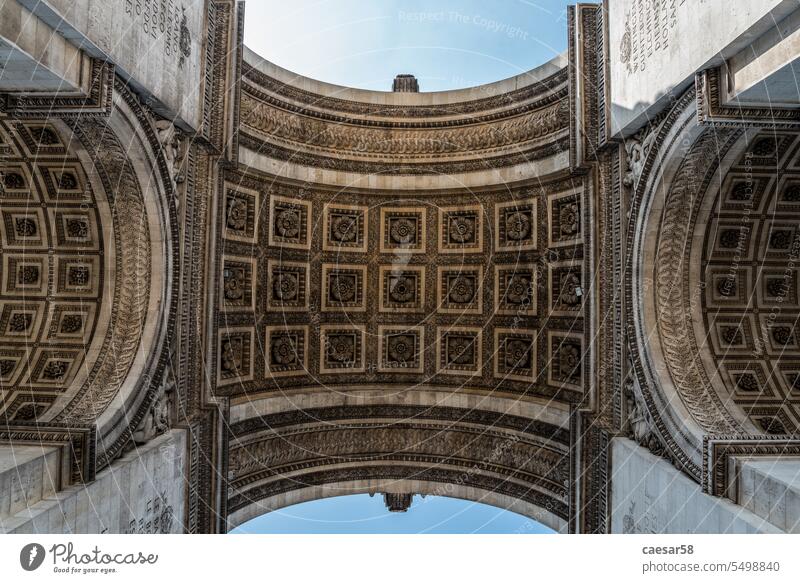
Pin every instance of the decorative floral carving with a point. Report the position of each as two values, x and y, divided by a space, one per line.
730 238
402 288
28 275
401 348
344 228
518 354
234 283
780 239
26 227
403 231
518 226
460 350
518 290
76 228
568 219
55 370
237 214
71 324
232 355
764 147
287 223
13 181
732 335
742 191
791 193
462 229
67 181
343 287
570 289
20 322
783 335
462 289
777 287
748 383
726 287
286 286
6 367
341 348
44 136
284 350
78 276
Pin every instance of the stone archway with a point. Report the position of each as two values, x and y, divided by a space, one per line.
506 452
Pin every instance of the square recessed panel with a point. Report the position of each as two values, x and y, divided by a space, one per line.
565 288
13 362
733 239
515 354
750 379
515 289
781 335
403 230
344 287
238 283
401 349
345 227
516 225
53 367
732 335
23 228
77 275
70 323
461 229
75 228
65 182
235 356
565 360
17 185
402 288
777 287
289 223
727 288
20 321
780 240
342 349
240 214
788 194
286 351
25 275
460 289
564 219
459 350
41 139
287 286
744 191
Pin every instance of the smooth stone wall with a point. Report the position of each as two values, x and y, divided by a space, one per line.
143 492
650 496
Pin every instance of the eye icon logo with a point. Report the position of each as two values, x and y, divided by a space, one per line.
31 556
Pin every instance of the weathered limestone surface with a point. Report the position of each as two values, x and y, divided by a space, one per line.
650 496
141 493
656 48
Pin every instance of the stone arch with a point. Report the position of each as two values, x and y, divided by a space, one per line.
115 178
678 168
511 453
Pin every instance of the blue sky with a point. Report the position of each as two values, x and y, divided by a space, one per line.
363 514
447 44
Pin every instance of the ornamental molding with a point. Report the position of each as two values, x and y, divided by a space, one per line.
306 133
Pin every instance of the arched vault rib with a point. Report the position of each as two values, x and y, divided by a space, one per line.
373 444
